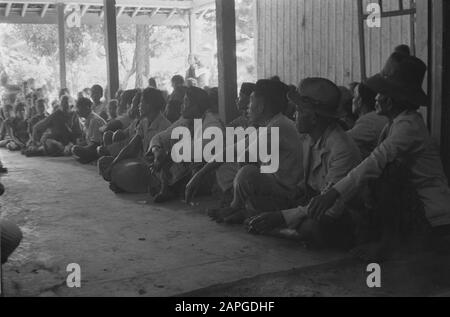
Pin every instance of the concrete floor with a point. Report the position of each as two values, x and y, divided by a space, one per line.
124 248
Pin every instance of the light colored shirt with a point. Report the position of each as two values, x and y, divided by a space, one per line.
290 172
325 163
164 139
92 126
366 132
409 142
148 130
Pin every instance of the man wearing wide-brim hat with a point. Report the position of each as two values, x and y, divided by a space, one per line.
412 192
328 155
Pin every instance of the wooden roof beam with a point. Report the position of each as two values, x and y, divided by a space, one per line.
24 9
84 10
8 9
172 13
154 12
45 9
120 12
136 11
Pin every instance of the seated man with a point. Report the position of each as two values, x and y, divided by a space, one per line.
112 109
99 106
176 98
7 115
10 236
123 119
86 151
242 104
41 115
53 135
174 176
18 129
254 191
129 172
369 125
328 155
409 189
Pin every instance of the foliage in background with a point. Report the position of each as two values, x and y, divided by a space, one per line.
31 51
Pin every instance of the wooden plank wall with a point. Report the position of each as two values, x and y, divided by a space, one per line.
302 38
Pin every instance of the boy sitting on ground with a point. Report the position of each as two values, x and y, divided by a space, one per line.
85 151
129 171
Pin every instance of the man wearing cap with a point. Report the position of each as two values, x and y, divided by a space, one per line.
254 191
409 188
328 155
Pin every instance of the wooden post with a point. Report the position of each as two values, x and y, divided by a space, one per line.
61 45
226 54
192 32
440 77
362 41
110 30
422 45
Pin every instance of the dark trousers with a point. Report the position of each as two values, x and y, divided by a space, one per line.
86 154
10 236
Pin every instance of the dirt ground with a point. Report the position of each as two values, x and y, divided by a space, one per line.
127 248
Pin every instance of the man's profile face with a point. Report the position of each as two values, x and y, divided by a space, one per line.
242 102
304 120
144 108
383 104
356 103
96 94
41 108
255 108
190 110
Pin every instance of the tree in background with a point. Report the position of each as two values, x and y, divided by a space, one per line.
30 51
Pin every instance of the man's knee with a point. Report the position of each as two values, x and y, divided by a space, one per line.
247 176
119 136
108 137
309 231
10 239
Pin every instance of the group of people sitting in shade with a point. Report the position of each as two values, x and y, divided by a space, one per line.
367 179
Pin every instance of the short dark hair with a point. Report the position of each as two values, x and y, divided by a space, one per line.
154 98
84 103
41 101
367 96
97 87
19 105
152 82
274 94
199 97
403 49
178 79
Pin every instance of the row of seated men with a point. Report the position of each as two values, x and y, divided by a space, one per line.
375 185
372 188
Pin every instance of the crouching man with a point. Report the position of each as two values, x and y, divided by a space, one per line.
410 193
86 151
254 191
10 236
328 155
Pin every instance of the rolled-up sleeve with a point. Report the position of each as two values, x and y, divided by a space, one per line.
403 139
